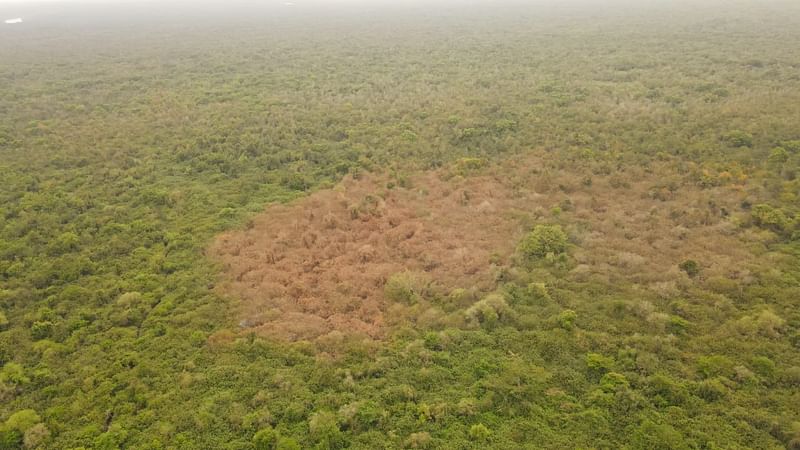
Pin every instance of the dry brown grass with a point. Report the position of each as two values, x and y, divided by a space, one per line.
319 265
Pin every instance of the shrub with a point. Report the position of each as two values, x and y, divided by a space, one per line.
13 373
598 363
778 156
544 239
459 297
369 206
488 311
538 292
467 406
325 430
433 341
35 436
744 375
287 443
666 391
738 138
360 416
677 325
265 438
403 287
715 365
479 432
66 242
613 381
197 338
769 324
419 440
653 436
792 146
295 181
10 438
465 166
23 420
711 390
367 416
691 267
409 136
791 376
46 314
42 329
766 216
505 125
130 299
764 367
566 319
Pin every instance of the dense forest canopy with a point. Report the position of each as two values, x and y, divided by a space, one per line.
400 225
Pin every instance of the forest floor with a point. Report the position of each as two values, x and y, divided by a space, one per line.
319 264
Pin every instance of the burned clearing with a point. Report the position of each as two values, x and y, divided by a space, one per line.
320 264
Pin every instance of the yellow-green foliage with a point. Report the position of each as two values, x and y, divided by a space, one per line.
543 240
488 311
127 145
404 287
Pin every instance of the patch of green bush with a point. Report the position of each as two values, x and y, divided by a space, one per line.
543 240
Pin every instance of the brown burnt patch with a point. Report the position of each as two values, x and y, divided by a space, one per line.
320 263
